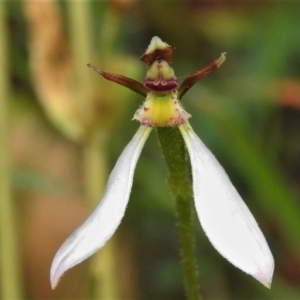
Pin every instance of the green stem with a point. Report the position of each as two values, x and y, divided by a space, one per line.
104 277
180 183
110 27
82 53
9 258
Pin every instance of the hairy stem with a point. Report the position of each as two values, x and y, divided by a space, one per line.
180 183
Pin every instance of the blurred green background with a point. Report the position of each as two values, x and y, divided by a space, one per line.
63 127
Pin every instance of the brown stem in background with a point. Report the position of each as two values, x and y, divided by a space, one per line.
51 65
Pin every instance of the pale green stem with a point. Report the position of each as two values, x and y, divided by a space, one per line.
10 282
109 30
82 53
103 265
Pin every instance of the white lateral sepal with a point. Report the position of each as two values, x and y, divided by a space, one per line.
225 218
103 222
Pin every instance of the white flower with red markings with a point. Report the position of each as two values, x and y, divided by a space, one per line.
225 218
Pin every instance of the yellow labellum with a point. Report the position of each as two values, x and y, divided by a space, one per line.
161 110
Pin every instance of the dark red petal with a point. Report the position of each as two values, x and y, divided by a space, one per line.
195 77
122 80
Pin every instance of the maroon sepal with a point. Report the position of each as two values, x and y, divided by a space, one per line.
165 54
161 86
195 77
122 80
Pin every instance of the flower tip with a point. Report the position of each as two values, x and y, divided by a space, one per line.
265 277
157 43
157 49
221 59
55 274
267 282
95 68
53 283
62 262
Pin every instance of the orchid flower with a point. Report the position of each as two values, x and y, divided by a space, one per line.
224 217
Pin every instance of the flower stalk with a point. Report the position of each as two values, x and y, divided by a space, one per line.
176 157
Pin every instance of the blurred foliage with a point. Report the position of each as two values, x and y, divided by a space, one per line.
248 113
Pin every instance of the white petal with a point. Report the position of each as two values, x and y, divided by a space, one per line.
105 219
224 216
